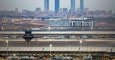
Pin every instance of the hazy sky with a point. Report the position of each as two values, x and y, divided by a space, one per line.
32 4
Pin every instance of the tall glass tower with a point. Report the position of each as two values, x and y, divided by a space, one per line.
46 5
81 6
57 5
73 4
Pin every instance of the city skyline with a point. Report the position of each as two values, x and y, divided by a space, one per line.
32 4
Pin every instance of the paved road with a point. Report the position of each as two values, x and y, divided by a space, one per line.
59 32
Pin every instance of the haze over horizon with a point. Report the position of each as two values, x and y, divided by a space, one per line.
32 4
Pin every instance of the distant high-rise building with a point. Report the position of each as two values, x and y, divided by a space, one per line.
57 5
81 6
73 4
38 9
16 9
46 5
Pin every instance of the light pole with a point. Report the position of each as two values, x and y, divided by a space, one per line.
7 47
50 50
49 27
2 28
80 48
49 30
80 44
66 50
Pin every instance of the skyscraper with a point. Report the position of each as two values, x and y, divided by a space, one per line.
16 9
81 6
73 4
57 5
46 5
